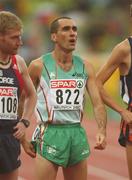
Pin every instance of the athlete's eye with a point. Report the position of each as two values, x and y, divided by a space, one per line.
74 28
66 28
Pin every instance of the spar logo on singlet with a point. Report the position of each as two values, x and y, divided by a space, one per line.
66 83
7 91
66 94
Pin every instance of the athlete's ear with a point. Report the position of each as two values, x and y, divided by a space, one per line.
53 37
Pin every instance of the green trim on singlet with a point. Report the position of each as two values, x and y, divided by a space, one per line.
76 72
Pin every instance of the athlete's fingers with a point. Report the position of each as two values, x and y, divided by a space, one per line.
31 153
100 138
29 149
100 146
20 126
100 141
18 135
19 130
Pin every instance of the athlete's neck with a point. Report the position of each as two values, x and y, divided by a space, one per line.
62 58
4 60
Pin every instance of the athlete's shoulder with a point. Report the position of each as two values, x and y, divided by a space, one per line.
21 64
78 57
35 67
88 66
19 58
86 62
123 47
36 63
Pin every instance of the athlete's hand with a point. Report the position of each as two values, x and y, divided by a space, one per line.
28 148
126 116
19 130
100 141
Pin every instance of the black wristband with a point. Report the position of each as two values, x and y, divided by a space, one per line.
25 122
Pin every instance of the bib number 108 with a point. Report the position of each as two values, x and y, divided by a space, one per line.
8 105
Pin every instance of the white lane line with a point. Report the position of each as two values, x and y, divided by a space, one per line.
92 170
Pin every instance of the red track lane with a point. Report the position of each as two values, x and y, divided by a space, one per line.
108 164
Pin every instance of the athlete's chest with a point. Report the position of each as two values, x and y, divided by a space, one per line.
8 78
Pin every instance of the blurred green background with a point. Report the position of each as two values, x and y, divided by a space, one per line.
102 24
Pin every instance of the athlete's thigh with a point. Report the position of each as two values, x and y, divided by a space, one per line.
45 169
129 158
77 171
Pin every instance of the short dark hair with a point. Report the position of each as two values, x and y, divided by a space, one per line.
55 24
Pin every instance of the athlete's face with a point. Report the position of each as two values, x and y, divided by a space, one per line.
10 42
66 36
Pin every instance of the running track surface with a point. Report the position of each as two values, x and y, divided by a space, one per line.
108 164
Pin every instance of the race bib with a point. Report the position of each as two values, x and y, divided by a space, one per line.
8 103
66 94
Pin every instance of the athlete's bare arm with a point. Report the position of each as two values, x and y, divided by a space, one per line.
30 98
34 73
35 70
119 58
98 106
